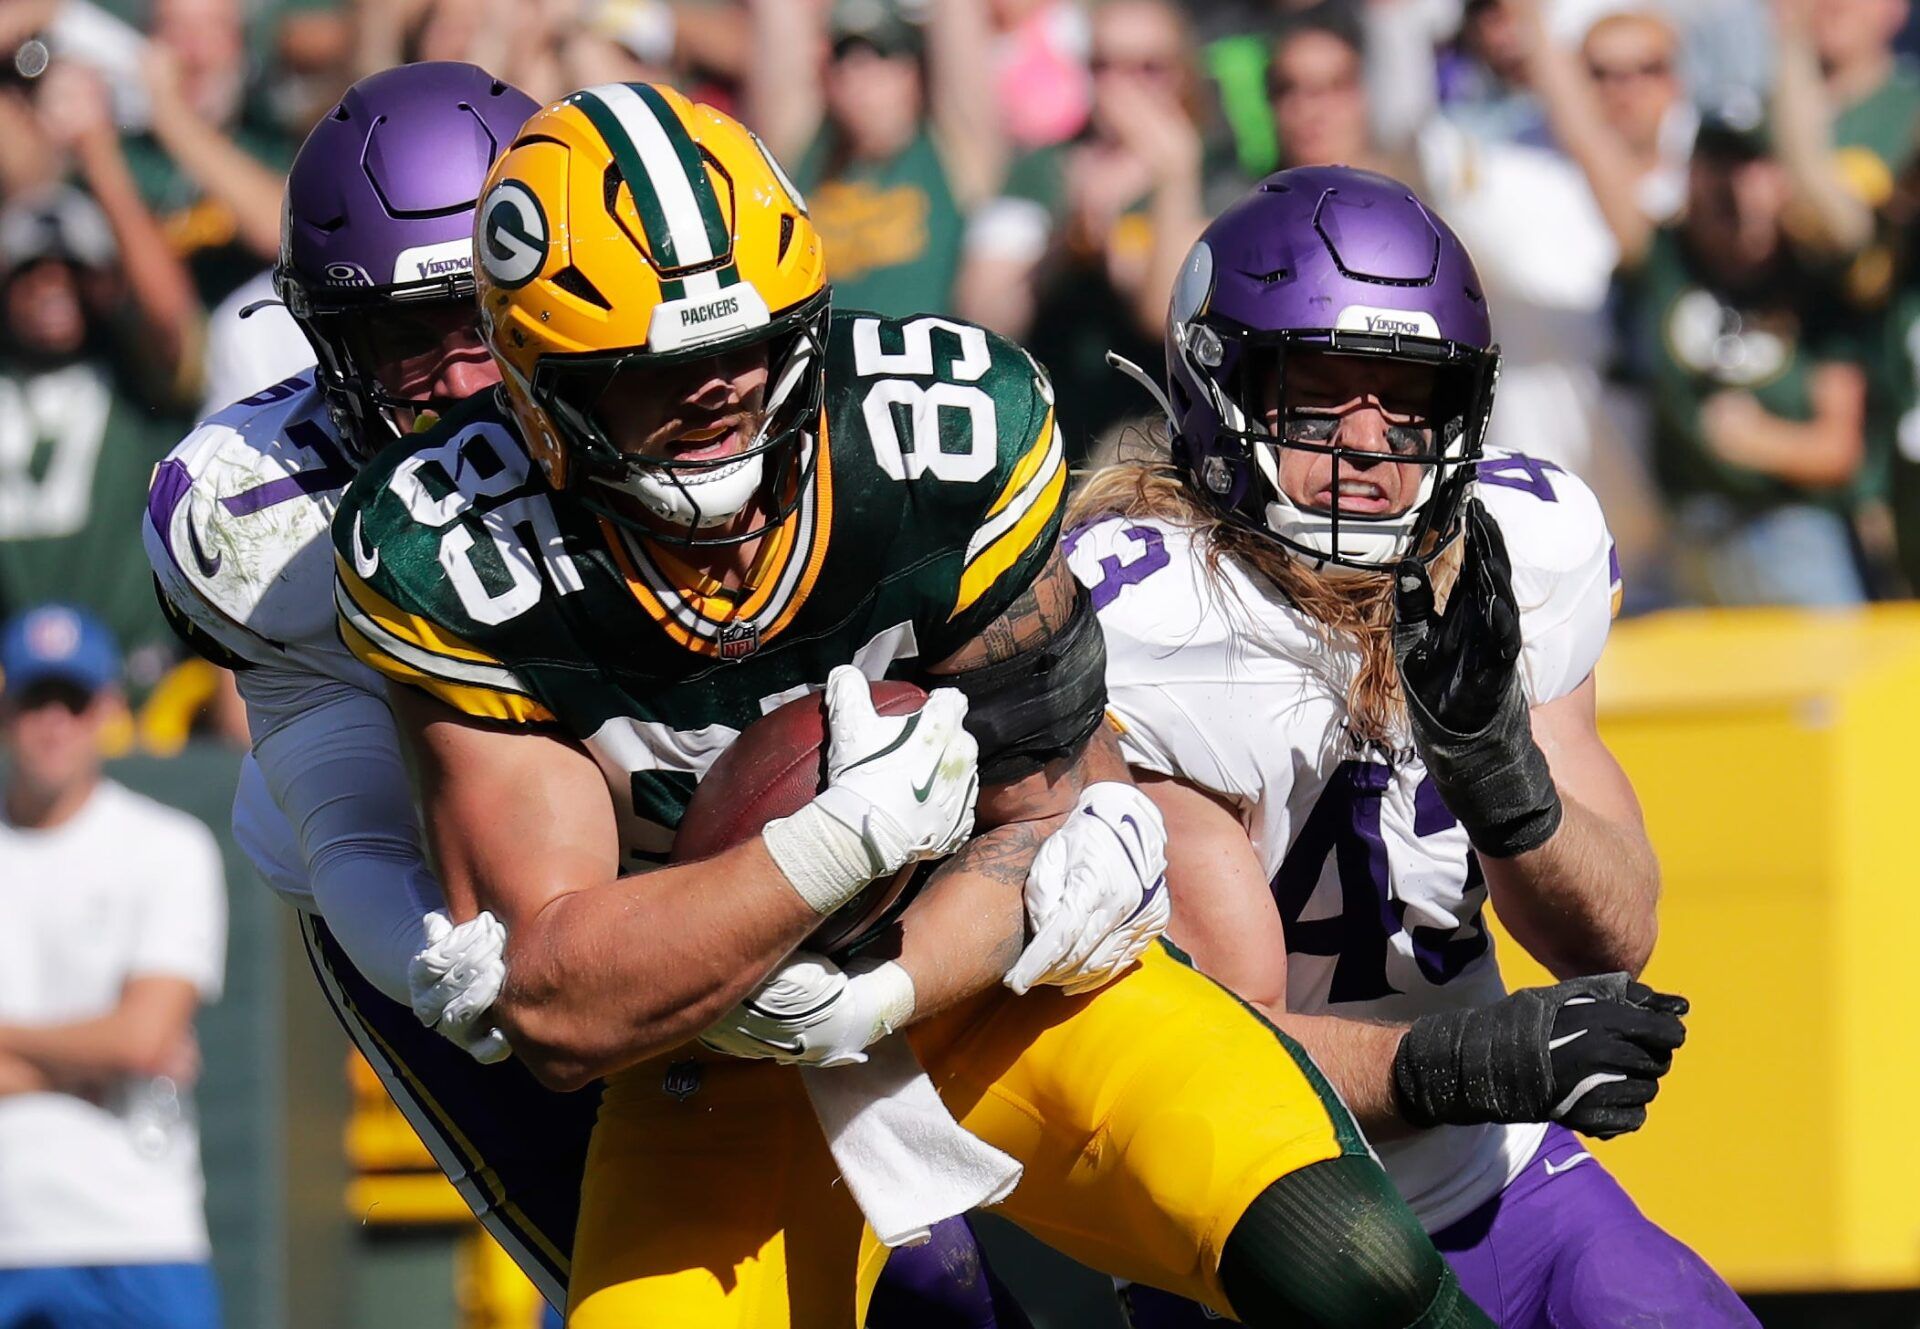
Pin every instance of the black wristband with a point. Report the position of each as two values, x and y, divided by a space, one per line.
1495 781
1465 1067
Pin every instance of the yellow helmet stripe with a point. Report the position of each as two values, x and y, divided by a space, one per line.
663 168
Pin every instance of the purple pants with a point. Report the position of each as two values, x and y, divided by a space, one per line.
1562 1247
944 1284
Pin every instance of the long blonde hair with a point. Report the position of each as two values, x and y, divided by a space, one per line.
1354 611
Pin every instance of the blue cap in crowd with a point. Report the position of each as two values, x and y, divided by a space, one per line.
60 643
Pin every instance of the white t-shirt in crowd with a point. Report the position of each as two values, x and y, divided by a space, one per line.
126 888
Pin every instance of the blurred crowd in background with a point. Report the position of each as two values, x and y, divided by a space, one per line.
1695 220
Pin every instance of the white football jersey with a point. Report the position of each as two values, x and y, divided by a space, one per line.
237 532
1218 681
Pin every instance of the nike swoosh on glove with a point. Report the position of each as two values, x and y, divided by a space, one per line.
1096 894
899 789
811 1012
455 981
1587 1053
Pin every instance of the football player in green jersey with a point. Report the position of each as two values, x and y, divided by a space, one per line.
697 496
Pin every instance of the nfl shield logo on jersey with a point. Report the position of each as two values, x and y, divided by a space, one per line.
738 641
682 1081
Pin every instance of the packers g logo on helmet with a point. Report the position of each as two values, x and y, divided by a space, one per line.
513 234
628 227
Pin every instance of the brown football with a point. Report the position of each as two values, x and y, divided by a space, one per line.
772 770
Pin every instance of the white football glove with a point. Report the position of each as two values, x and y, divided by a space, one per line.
899 789
456 980
811 1012
1096 893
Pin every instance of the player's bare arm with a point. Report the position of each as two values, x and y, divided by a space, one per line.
1223 916
1559 835
600 968
603 970
969 924
1584 901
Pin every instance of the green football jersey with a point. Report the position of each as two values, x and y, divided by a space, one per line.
934 504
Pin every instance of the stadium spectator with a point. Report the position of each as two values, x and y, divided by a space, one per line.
1484 78
895 131
1079 254
112 932
1758 399
1874 93
208 162
1632 57
88 404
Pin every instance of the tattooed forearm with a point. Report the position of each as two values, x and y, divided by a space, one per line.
1053 790
1042 610
968 925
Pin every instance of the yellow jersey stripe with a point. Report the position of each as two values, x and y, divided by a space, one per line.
1052 462
1027 467
410 628
993 561
816 553
469 699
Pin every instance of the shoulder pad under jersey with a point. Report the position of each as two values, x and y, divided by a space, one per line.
962 420
1566 576
237 518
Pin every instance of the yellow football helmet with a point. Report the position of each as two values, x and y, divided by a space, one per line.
629 227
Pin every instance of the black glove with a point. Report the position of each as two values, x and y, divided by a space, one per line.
1587 1053
1464 699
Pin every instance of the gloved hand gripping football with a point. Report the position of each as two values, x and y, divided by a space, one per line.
899 789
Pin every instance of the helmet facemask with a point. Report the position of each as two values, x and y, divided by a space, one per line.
692 499
1264 429
342 326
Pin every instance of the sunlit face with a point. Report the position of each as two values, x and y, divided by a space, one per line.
1319 104
873 99
208 39
51 734
703 410
1137 45
1630 58
1377 409
1846 32
433 354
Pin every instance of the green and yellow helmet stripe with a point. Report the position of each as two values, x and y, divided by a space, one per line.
662 166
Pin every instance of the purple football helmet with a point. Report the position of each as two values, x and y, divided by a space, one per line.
1327 260
379 214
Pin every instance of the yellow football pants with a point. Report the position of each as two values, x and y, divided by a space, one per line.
1147 1116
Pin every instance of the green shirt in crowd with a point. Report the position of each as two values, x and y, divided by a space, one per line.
203 230
76 451
891 229
1687 339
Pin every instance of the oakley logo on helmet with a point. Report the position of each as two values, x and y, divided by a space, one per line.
347 274
449 258
1406 322
513 234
